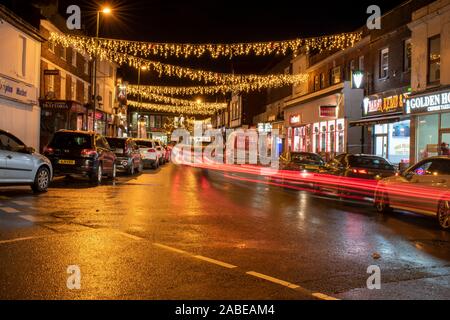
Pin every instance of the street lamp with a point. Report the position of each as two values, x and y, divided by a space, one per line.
105 10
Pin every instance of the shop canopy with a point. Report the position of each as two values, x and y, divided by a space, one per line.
375 120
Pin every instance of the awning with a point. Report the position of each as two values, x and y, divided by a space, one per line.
375 120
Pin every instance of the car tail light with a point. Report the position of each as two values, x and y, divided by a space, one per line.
360 171
88 153
151 150
49 150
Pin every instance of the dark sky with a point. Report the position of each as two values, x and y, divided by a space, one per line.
217 21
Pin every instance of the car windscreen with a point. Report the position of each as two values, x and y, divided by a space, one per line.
116 143
71 141
370 163
306 158
144 144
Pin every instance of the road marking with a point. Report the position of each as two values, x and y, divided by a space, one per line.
41 237
18 239
220 263
33 218
323 296
130 236
162 246
21 203
9 210
272 279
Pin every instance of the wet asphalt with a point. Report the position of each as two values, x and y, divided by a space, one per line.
185 233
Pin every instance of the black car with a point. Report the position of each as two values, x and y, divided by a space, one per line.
81 153
303 161
128 156
347 171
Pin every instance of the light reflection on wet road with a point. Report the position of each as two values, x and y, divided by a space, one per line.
320 244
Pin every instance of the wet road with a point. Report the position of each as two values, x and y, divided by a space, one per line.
186 233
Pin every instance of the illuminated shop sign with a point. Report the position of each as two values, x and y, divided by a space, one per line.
295 119
380 104
328 111
428 103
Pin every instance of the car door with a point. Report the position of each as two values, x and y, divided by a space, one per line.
18 164
2 162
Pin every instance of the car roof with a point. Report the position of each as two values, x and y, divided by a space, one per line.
76 131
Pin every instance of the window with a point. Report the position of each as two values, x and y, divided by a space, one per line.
51 47
427 136
63 53
322 80
23 56
336 75
86 93
50 84
73 89
86 67
110 99
434 60
10 143
384 63
361 63
407 52
316 83
74 58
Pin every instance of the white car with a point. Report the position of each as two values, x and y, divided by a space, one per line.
20 165
423 188
149 154
161 152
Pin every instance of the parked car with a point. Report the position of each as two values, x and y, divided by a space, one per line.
423 188
21 165
81 153
128 156
168 149
161 152
149 154
302 161
346 169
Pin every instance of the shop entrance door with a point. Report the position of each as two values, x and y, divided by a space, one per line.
381 145
445 138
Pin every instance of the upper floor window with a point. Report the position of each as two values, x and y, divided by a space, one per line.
361 63
74 58
336 75
86 67
407 54
73 89
111 71
316 83
51 47
384 63
322 80
23 56
63 53
434 59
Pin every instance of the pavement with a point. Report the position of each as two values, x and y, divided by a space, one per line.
185 233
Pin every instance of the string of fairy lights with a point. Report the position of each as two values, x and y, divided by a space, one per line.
135 54
187 50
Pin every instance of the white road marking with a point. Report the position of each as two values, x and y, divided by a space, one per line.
272 279
323 296
33 218
42 237
18 239
22 203
9 210
171 248
130 236
220 263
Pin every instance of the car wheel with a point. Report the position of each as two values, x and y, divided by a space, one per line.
97 176
443 214
382 203
42 180
131 171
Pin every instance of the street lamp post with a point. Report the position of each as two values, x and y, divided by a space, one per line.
105 10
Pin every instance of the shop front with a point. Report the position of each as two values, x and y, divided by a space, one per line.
318 127
61 114
388 128
430 121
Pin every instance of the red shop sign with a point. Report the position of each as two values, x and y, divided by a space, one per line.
328 111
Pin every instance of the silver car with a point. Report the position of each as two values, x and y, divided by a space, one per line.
20 165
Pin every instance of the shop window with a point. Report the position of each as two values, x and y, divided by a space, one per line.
427 136
398 141
74 58
434 60
336 75
445 121
340 136
384 63
407 53
323 137
316 138
316 83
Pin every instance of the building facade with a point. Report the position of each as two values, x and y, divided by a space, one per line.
429 103
20 51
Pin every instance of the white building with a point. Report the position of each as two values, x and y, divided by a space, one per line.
429 103
20 51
